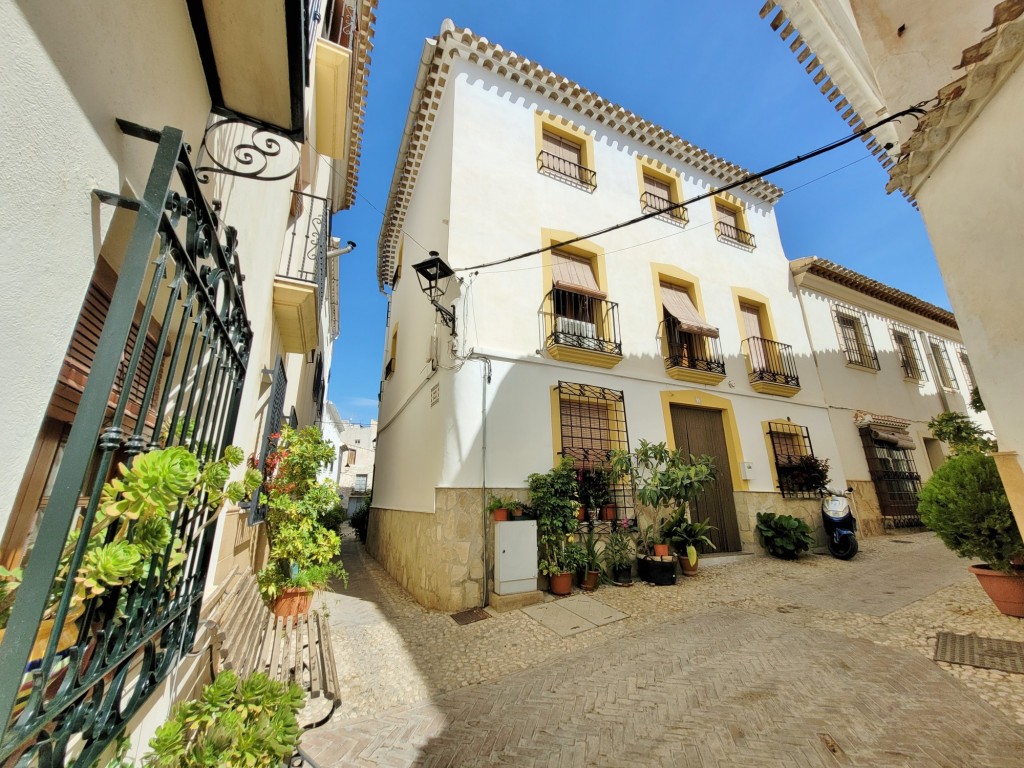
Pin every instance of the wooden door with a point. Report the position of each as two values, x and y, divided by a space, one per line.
697 431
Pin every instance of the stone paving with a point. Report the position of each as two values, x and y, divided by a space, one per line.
754 662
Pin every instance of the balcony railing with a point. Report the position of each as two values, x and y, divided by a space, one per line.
771 362
703 354
559 166
106 657
733 234
653 202
306 242
581 321
340 22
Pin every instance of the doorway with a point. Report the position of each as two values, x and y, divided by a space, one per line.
702 430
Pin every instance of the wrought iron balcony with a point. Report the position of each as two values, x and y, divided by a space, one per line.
732 234
653 202
389 369
341 23
704 354
566 169
302 274
771 363
575 321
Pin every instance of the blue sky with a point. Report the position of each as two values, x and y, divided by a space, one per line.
712 73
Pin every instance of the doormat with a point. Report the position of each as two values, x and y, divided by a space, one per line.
985 652
468 617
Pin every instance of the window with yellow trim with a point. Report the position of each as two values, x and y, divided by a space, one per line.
800 473
659 195
690 341
564 156
581 316
389 369
731 225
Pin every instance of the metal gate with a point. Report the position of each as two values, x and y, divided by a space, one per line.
180 271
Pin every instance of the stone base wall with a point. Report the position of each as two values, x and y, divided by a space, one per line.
750 503
866 509
438 557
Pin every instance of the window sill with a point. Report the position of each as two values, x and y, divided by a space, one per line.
864 368
680 373
569 354
772 388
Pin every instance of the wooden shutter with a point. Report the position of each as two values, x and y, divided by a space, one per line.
656 187
726 215
563 148
751 320
586 428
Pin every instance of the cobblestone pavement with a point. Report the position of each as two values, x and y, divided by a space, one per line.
753 662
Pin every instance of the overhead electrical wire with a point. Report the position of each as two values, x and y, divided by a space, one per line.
914 110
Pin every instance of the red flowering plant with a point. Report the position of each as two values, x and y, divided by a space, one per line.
302 548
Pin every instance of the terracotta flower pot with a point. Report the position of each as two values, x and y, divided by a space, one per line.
1006 590
590 580
661 550
608 512
688 570
500 515
293 602
561 583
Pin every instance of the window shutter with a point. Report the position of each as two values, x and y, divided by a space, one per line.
726 215
751 320
656 187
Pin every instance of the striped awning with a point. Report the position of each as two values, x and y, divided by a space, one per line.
678 304
574 273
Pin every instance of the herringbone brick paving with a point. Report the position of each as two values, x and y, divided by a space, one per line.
726 688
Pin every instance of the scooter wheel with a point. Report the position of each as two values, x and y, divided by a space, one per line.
844 549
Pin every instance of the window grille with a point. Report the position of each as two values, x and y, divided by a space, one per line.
796 466
895 477
942 364
904 340
855 336
271 433
965 362
593 423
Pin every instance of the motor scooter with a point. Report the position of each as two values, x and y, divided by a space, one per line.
840 524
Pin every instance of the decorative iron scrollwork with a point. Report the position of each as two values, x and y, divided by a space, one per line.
250 152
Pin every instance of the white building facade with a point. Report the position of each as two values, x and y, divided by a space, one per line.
355 448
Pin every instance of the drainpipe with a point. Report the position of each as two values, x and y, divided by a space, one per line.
334 252
485 380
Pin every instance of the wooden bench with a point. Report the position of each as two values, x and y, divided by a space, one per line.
246 637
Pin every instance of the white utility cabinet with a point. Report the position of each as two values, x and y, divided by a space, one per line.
515 557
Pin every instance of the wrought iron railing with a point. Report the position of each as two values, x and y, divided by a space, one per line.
179 271
771 361
340 22
580 174
653 202
698 353
586 322
733 234
306 243
258 503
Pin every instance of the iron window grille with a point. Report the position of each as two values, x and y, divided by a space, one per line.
798 469
942 365
562 159
855 336
771 361
730 233
180 271
341 23
905 342
895 477
965 363
592 421
307 241
586 322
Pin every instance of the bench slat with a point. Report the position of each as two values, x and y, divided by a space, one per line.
326 649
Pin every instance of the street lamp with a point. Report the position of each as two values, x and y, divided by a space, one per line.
434 276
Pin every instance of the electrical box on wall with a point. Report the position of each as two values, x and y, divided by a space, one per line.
515 557
746 470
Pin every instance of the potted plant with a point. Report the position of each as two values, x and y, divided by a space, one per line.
302 549
235 723
567 559
666 481
596 492
590 569
552 500
784 536
499 506
803 474
619 552
965 503
685 536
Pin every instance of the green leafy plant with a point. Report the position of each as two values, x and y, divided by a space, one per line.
620 547
976 403
360 520
784 536
595 486
553 499
961 433
235 723
335 516
801 474
591 553
965 503
302 548
685 536
647 536
500 502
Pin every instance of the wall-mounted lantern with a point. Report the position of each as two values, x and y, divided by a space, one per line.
434 276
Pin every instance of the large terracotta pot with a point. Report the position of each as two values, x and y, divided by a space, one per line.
590 580
688 570
293 602
608 512
561 583
1006 590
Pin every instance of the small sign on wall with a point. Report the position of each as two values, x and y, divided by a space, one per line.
435 394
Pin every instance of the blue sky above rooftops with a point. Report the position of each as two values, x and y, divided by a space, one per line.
713 73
